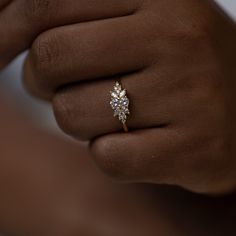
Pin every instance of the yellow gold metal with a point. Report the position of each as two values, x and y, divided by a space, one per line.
126 129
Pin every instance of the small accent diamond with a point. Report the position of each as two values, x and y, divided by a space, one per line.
120 103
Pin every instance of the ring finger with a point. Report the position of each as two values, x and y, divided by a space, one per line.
84 112
86 51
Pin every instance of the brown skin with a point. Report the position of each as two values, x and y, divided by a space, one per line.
21 21
50 187
178 67
43 191
181 88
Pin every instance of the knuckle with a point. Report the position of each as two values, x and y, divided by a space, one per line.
64 113
39 6
38 9
44 52
69 116
111 161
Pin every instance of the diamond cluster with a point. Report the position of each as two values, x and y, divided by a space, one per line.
120 103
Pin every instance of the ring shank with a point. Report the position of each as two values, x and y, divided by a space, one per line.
125 128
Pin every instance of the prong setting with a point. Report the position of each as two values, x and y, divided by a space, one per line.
120 103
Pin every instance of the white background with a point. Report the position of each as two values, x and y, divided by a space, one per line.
229 6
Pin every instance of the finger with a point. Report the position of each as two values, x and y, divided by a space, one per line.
84 110
151 155
183 156
23 20
86 51
160 156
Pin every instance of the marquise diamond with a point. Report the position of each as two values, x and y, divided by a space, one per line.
120 103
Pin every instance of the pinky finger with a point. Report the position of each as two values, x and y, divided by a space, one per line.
181 157
141 156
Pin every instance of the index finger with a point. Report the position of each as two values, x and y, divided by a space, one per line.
23 20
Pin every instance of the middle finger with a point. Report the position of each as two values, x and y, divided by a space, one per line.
86 51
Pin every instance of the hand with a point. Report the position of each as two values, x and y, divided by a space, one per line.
21 21
177 61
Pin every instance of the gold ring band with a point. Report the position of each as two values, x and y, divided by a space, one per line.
125 127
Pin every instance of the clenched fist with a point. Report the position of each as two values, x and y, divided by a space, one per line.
176 60
21 21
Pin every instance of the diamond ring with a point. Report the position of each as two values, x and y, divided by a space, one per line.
120 104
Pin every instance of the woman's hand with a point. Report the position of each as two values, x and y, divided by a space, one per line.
177 61
21 21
